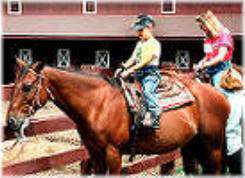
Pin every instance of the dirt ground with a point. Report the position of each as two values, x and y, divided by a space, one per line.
48 144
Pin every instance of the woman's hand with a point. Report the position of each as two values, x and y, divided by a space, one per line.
214 61
200 66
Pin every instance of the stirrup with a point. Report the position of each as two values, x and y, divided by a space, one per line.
147 120
151 121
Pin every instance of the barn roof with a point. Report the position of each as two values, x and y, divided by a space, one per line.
108 26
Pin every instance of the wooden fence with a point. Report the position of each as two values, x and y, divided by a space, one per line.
62 123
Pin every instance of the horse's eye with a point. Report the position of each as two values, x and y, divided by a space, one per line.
27 88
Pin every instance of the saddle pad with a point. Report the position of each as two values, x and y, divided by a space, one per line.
181 97
172 94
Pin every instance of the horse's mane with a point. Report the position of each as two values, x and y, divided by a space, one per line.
87 73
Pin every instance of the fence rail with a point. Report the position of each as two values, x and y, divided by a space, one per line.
47 162
6 91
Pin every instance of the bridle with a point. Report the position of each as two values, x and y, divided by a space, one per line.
36 103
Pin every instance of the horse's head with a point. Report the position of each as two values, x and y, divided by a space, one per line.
29 94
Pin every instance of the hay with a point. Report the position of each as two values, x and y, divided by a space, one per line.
39 146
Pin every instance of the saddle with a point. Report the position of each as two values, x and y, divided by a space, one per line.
171 92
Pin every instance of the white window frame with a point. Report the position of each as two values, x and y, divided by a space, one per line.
182 59
84 7
59 52
173 7
28 51
106 58
14 12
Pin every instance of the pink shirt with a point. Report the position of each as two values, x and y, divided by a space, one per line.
212 45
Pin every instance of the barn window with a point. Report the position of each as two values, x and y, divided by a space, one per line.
102 58
89 6
182 59
63 58
26 55
168 6
14 7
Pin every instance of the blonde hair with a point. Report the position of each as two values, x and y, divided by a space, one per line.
211 22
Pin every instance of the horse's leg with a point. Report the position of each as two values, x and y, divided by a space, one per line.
96 163
211 151
190 163
113 160
168 168
212 162
86 167
100 167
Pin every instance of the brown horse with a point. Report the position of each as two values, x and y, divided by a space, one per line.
100 112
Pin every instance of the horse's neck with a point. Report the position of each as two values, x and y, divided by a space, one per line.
74 94
71 80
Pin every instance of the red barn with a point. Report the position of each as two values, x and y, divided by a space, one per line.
98 31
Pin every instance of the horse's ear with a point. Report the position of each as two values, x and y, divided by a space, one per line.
20 63
37 66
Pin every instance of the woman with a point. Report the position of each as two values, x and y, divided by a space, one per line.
218 49
144 62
